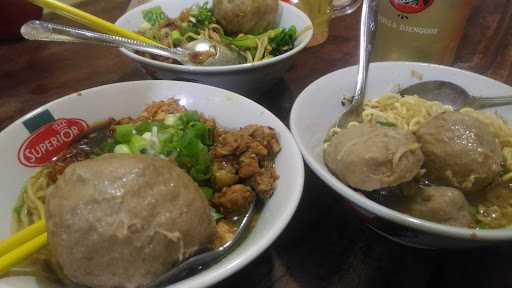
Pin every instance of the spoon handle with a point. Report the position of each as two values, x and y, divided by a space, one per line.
39 30
368 28
487 102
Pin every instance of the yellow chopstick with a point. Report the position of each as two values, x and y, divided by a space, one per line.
22 252
21 237
21 245
89 20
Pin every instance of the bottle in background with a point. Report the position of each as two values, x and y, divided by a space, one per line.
321 12
420 30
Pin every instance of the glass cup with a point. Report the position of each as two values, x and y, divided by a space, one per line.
321 12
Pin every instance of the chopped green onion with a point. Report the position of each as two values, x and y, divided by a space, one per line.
124 133
139 145
122 149
189 116
172 119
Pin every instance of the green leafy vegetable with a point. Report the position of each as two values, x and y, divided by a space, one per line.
282 40
242 41
176 38
201 16
154 15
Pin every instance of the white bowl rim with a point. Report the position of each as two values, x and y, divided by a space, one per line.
503 234
208 278
229 68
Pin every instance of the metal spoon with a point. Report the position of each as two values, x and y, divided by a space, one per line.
202 261
452 94
368 28
196 53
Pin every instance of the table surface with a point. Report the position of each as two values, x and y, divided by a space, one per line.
324 245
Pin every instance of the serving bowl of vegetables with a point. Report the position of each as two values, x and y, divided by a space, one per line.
267 33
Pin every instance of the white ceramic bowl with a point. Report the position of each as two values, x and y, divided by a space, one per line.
241 78
318 107
124 99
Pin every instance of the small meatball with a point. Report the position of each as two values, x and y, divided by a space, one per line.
224 173
246 16
228 144
495 210
225 232
249 165
460 151
444 205
373 157
263 182
266 136
234 200
258 149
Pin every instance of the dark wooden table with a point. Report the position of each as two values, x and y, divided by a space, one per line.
324 245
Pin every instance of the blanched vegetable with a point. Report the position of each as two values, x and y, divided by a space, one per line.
280 40
154 15
246 16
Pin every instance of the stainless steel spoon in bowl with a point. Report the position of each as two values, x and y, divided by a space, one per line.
196 53
452 94
202 261
368 28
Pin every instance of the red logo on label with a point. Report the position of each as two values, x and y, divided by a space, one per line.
411 6
50 140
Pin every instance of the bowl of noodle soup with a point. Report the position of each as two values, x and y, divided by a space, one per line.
318 107
63 122
252 77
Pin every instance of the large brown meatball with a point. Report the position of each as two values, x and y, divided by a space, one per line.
123 220
460 151
444 205
373 157
246 16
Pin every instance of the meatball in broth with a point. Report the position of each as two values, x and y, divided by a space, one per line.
373 157
460 151
444 205
123 220
246 16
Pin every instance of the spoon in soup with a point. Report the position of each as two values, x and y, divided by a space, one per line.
368 27
452 94
196 53
202 261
